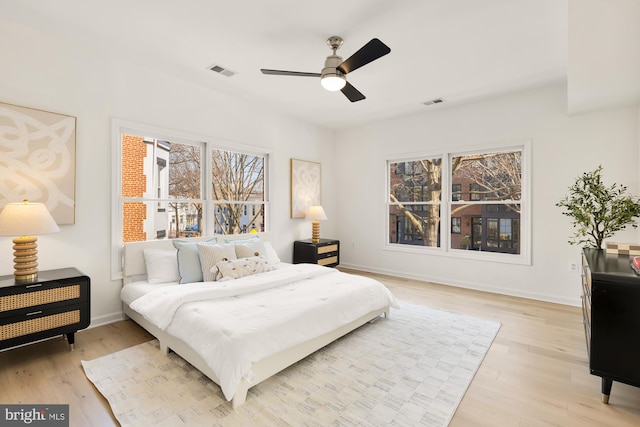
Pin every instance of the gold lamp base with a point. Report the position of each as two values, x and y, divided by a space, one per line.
315 231
25 252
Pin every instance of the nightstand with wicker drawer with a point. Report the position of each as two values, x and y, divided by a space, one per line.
324 252
56 303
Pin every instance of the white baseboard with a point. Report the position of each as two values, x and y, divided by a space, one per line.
468 285
106 319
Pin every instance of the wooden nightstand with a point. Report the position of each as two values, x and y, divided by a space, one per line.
56 303
325 252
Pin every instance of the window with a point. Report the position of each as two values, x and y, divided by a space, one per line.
456 225
474 192
456 192
177 188
495 190
484 210
414 201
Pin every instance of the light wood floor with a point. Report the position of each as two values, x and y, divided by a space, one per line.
535 373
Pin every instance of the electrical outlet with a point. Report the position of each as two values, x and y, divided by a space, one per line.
573 266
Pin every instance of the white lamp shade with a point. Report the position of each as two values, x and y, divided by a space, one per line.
316 213
26 219
333 82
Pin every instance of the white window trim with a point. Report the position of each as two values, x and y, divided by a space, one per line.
122 126
524 258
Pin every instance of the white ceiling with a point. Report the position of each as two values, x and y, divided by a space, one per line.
458 50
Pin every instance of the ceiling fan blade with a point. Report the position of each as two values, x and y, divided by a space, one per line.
367 53
352 93
289 73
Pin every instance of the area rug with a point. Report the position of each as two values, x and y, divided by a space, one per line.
411 369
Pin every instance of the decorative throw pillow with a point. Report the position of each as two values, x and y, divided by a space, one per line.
210 255
189 260
162 265
241 267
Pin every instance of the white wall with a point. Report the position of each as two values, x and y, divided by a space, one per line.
603 61
563 147
41 71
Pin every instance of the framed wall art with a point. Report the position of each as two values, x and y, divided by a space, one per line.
305 186
37 159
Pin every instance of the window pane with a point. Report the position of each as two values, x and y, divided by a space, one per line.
160 220
184 171
489 176
505 229
490 228
415 181
415 225
464 215
237 177
238 218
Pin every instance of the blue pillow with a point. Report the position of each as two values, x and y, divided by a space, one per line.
189 266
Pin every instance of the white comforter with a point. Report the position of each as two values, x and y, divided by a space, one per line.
233 323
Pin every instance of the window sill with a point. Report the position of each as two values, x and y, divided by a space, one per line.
496 257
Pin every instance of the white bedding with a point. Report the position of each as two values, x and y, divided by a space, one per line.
134 290
234 323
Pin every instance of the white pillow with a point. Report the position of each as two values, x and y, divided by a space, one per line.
264 248
162 265
272 255
241 267
251 249
210 255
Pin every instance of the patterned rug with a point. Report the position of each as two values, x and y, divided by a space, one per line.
411 369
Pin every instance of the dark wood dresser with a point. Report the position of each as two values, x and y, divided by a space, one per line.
611 314
325 252
56 303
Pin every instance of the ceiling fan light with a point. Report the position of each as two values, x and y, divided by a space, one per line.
333 82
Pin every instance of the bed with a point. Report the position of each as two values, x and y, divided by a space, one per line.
242 320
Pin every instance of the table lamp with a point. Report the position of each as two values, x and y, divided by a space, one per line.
315 214
26 220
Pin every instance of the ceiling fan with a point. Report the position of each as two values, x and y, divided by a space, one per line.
333 75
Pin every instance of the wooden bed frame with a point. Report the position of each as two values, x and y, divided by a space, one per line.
134 269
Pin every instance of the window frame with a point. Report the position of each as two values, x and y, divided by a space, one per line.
120 127
446 203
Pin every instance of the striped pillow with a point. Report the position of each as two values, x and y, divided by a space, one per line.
210 255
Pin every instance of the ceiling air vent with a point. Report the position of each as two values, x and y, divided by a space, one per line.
434 101
221 70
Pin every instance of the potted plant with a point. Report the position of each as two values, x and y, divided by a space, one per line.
598 211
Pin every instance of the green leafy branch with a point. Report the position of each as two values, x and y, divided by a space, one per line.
598 211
